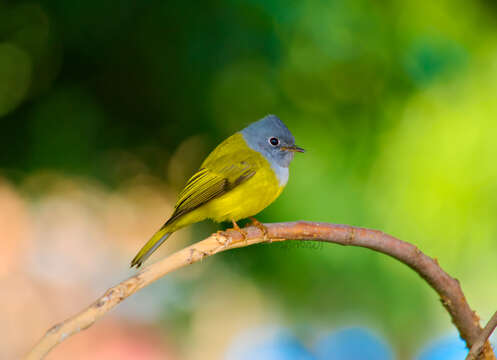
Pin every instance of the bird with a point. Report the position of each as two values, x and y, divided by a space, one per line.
242 176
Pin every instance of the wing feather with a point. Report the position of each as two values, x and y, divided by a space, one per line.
208 184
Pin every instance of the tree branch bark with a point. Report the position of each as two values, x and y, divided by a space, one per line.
478 346
448 288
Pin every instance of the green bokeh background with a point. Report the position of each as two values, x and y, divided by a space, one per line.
395 101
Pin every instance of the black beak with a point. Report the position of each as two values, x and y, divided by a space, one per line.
293 148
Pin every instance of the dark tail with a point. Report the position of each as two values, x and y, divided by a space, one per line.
152 245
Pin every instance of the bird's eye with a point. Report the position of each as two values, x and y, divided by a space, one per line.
274 141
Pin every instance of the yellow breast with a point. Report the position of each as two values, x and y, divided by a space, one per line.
247 199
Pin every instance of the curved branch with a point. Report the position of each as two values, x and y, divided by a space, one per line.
447 287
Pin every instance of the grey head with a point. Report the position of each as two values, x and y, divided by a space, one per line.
270 137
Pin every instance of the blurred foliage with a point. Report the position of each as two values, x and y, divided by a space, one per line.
394 100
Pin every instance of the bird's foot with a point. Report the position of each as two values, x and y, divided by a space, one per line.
226 239
241 231
261 227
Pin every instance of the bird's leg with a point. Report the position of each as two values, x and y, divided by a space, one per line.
241 231
261 227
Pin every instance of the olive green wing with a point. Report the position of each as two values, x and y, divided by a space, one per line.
210 183
205 185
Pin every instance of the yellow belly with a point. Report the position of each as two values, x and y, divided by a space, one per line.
247 199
